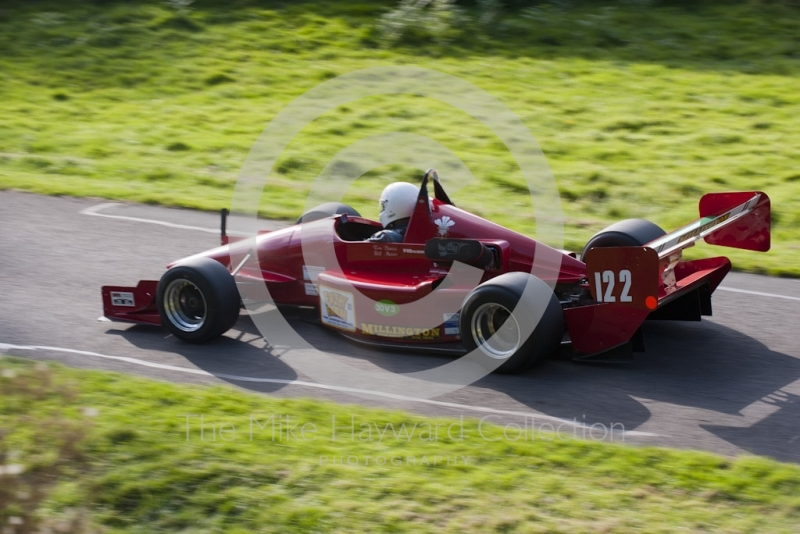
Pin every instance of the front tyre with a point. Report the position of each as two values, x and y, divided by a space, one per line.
198 300
497 315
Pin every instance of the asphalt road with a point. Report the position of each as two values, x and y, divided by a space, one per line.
730 384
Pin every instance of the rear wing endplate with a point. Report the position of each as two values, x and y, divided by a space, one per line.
738 220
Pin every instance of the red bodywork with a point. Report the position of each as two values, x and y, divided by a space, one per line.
380 281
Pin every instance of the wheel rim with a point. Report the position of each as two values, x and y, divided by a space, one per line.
185 305
491 334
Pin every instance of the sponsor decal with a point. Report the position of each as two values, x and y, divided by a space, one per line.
311 289
451 327
122 298
444 223
404 332
384 250
387 308
450 249
311 272
337 308
413 251
708 225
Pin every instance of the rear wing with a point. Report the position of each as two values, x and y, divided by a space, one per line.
630 284
647 276
737 220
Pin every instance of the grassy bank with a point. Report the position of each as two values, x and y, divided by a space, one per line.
639 109
106 450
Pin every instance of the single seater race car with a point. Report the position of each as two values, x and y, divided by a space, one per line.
410 294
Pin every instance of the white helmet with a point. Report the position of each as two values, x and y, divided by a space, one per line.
397 202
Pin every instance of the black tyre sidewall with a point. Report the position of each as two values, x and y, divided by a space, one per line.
507 290
627 233
220 293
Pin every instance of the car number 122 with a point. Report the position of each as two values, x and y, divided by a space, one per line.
608 278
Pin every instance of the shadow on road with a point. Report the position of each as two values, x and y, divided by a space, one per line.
695 365
243 355
777 435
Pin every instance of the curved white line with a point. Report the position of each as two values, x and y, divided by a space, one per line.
95 212
758 293
237 378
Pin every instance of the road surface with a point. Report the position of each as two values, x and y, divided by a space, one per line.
730 384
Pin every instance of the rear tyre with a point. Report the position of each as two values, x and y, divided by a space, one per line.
326 210
198 300
627 233
494 316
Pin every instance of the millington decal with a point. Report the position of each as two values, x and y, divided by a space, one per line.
405 332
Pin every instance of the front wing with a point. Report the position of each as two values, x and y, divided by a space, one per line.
132 304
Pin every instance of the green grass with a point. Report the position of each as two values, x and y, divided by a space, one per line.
113 451
639 109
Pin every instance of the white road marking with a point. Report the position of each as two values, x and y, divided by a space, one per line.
95 211
237 378
758 293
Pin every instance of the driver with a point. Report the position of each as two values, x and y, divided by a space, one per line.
396 204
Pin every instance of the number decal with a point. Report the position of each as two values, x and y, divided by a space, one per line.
598 284
608 279
625 277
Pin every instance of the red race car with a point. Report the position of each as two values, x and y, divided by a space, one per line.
514 299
